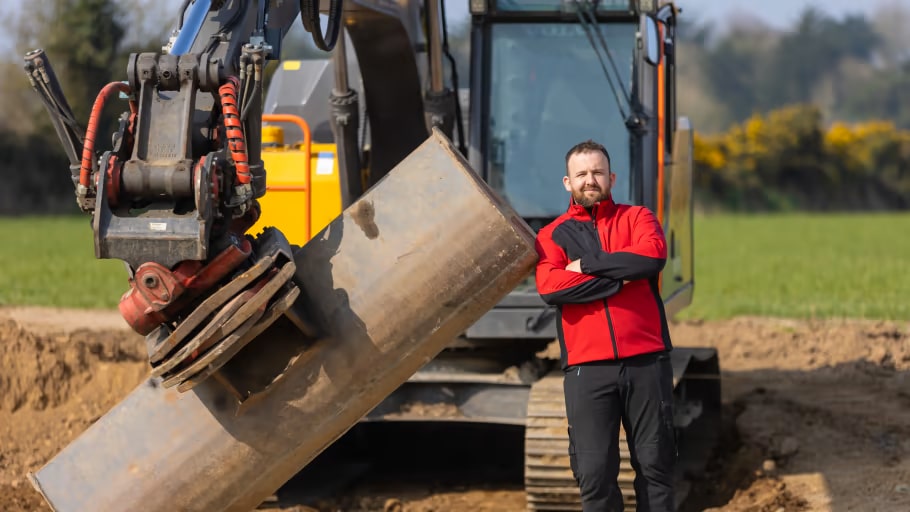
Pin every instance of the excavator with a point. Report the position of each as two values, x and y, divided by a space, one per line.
324 254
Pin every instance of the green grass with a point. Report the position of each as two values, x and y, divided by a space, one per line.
50 261
788 265
801 265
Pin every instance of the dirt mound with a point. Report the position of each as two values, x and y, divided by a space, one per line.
749 343
16 497
55 381
818 413
766 495
44 371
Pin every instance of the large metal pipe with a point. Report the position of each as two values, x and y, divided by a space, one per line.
390 282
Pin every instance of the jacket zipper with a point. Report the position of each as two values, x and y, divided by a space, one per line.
612 334
606 304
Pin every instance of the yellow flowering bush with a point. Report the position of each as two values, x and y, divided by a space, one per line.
786 159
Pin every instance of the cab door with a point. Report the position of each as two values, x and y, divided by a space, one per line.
668 175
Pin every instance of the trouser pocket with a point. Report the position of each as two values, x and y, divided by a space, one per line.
667 432
668 427
573 457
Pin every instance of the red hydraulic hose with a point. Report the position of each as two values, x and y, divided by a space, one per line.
88 148
234 128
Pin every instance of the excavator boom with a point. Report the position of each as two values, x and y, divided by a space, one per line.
176 194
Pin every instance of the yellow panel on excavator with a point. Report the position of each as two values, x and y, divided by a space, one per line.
287 204
326 187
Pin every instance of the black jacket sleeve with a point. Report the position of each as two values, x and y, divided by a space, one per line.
558 286
644 259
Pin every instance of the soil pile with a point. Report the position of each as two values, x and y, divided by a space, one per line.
821 411
55 381
41 371
818 414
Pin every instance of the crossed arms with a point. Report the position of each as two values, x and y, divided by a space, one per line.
599 275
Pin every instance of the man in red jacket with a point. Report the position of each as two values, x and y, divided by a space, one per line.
599 264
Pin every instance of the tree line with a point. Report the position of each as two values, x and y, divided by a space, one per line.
853 68
810 117
788 159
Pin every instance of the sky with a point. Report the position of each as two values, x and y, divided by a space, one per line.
777 13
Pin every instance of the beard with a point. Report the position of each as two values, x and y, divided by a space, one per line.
589 196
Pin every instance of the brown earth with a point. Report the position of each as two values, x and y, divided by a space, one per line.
59 372
821 411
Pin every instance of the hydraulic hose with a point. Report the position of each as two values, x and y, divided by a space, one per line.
88 148
234 128
309 15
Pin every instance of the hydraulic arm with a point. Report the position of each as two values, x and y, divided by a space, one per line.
177 191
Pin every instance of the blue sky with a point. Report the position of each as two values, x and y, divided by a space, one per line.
778 13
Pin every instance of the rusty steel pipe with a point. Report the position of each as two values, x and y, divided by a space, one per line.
390 282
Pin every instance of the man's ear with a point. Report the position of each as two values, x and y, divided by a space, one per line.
565 183
612 179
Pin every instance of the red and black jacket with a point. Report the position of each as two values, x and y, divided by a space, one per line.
613 309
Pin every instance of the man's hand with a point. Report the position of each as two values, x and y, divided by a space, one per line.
575 266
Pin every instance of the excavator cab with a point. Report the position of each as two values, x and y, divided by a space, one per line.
545 75
551 73
544 89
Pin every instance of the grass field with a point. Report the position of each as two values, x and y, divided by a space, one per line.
770 265
800 265
51 261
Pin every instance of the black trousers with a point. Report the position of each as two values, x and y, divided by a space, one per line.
639 392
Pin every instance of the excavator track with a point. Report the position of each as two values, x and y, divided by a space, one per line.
549 482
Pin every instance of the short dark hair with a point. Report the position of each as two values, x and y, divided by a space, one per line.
584 147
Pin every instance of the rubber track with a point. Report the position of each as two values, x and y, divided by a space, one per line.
549 482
